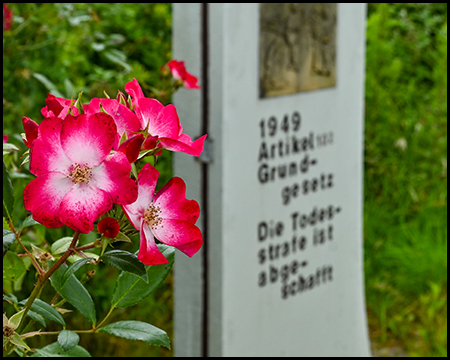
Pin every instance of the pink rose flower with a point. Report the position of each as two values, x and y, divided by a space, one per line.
162 122
179 73
77 178
168 216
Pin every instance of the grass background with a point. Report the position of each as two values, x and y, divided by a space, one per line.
92 47
405 180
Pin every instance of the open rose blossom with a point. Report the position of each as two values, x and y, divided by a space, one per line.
77 178
162 122
168 216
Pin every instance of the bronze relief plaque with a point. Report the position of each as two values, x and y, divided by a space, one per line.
297 47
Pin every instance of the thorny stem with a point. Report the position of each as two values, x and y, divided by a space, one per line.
85 247
33 260
43 278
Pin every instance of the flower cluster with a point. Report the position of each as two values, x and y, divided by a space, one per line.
83 156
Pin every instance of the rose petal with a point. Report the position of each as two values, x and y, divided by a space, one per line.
150 142
147 179
31 130
184 144
149 253
112 176
161 120
180 234
47 154
190 82
172 201
135 219
132 146
83 205
134 90
43 197
178 69
124 118
88 139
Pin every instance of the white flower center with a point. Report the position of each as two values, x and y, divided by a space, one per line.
80 173
151 216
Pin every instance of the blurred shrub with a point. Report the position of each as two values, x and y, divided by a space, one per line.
73 47
405 210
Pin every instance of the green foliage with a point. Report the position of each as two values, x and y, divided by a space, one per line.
126 261
131 288
75 293
8 239
13 267
68 339
405 210
56 350
137 330
8 194
77 47
46 311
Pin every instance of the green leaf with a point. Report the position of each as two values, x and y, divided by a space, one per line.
10 297
118 57
79 104
46 310
55 350
8 194
71 270
137 330
19 175
48 84
8 239
130 289
8 147
13 267
6 224
125 261
15 320
60 246
29 221
122 237
17 340
68 339
75 257
75 293
36 317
